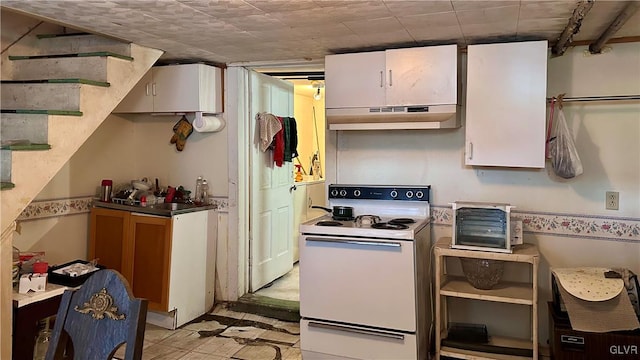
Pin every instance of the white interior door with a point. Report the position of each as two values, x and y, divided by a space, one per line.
271 248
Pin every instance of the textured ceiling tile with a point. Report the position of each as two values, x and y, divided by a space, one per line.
223 9
283 6
443 26
529 25
387 39
363 27
240 31
506 14
547 9
405 7
479 5
346 10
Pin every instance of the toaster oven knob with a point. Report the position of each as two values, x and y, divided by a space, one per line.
356 193
393 194
419 194
409 194
334 192
343 192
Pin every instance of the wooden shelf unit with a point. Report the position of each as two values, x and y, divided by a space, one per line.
505 292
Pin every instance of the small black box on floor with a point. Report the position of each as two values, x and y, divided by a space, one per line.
569 344
57 277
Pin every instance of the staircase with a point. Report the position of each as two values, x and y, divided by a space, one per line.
52 99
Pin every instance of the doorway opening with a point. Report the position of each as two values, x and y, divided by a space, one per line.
308 110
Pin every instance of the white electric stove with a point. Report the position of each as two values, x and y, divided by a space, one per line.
365 282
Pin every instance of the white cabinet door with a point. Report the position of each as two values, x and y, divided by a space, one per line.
424 75
176 88
140 98
355 80
506 104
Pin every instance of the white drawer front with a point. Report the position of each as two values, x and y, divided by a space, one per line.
346 341
358 281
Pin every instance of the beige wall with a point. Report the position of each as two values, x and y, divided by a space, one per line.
123 148
304 105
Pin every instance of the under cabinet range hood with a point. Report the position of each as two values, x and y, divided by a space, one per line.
412 88
394 117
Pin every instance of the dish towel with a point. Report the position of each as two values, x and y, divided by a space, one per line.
278 150
268 126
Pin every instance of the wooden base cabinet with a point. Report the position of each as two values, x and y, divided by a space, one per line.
450 286
163 258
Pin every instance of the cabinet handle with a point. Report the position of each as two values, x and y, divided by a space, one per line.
313 324
390 78
470 150
153 89
293 188
355 242
146 89
381 79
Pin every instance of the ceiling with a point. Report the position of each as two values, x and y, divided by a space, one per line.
299 33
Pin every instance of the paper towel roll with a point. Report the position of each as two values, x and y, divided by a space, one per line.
207 123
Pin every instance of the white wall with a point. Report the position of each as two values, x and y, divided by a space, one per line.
607 140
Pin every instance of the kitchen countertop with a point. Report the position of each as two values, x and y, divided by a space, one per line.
164 209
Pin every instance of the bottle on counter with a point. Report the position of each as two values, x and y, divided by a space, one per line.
197 195
204 193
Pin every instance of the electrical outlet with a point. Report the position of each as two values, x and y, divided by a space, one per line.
612 200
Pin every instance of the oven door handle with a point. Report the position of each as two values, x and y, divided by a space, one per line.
356 331
355 242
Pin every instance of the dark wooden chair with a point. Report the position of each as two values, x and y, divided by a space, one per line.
98 317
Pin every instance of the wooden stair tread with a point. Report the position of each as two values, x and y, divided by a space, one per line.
58 81
47 112
88 54
26 147
6 185
47 36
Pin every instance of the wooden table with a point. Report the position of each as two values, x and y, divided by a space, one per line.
28 310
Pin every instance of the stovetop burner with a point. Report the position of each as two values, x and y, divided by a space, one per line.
401 221
329 223
389 226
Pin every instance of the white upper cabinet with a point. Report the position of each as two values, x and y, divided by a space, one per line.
355 80
422 76
176 88
506 104
398 77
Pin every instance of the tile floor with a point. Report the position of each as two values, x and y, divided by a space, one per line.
222 335
287 287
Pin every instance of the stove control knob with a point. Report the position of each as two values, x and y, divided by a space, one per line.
334 192
393 194
356 193
343 192
419 194
409 194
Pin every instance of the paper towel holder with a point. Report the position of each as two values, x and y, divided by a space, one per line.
199 118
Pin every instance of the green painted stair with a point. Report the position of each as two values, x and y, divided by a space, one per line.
58 56
58 81
47 112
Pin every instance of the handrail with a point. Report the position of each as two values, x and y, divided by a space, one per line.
597 98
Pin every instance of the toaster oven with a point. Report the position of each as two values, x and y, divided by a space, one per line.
484 226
